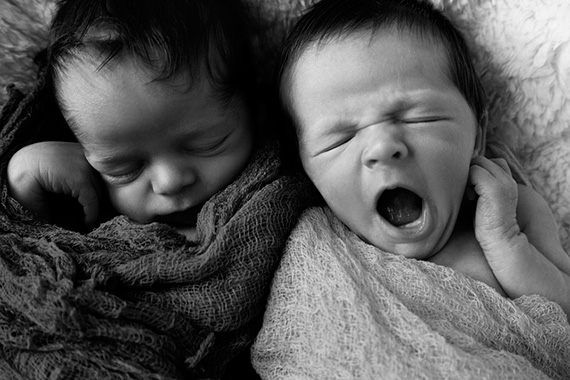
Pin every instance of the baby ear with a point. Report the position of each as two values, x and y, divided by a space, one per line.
481 137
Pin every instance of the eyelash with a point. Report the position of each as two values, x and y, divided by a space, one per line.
124 177
338 143
209 149
402 120
131 175
422 121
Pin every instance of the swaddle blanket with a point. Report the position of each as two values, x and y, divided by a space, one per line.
138 301
342 309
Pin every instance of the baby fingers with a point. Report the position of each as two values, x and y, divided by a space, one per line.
493 178
498 193
497 167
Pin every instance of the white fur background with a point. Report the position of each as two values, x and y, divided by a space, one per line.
521 49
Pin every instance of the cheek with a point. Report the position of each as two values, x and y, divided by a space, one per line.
218 174
223 170
445 168
315 171
334 182
452 151
453 177
453 171
129 201
213 175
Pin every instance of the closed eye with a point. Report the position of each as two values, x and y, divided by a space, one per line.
338 143
124 176
423 120
207 149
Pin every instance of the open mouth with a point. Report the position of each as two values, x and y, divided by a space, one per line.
399 206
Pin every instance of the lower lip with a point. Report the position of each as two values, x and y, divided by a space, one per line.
414 230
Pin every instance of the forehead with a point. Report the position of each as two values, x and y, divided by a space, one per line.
387 45
363 62
95 70
123 103
84 87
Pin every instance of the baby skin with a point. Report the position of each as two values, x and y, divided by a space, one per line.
395 150
155 150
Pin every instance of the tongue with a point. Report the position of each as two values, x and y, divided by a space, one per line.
399 206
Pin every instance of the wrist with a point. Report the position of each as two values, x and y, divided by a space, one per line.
507 236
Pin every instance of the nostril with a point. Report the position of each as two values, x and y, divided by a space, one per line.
384 151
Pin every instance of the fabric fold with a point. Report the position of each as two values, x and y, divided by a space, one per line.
139 301
342 309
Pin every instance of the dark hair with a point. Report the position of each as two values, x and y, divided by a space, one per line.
329 19
171 37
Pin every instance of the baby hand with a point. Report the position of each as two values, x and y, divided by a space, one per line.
54 167
495 217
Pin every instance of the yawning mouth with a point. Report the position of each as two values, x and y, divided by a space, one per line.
399 206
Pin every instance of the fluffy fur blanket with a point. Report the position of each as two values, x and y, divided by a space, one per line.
342 309
522 52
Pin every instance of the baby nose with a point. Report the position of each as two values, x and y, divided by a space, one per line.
170 178
384 145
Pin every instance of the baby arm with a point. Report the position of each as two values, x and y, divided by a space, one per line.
518 235
56 167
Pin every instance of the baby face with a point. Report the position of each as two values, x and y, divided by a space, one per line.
385 136
162 149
